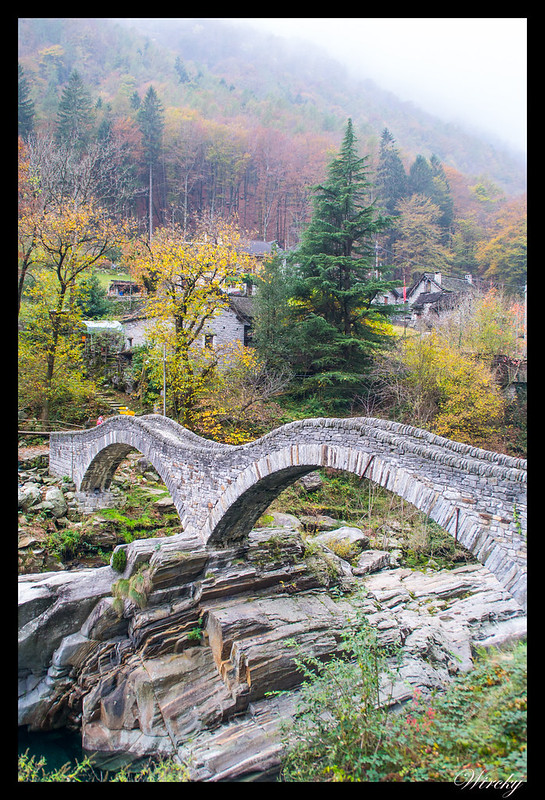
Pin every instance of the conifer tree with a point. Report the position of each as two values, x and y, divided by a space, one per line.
150 119
25 106
337 280
392 183
74 117
421 177
272 329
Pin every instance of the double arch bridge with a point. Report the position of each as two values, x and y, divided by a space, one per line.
221 490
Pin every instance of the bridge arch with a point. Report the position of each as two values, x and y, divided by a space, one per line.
243 502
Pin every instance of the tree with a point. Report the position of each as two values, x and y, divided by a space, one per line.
442 197
503 257
25 116
75 114
392 182
273 319
29 214
188 283
66 243
421 177
93 299
150 119
52 379
336 331
236 405
449 392
418 245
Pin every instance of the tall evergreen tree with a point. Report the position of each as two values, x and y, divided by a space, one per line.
442 197
150 120
336 280
421 177
25 106
392 183
272 329
75 114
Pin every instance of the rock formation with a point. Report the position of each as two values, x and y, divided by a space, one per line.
177 655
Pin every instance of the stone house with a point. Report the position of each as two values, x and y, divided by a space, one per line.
431 296
231 325
124 289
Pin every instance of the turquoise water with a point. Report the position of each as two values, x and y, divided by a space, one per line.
57 747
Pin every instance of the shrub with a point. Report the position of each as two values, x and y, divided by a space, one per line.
476 727
119 560
340 722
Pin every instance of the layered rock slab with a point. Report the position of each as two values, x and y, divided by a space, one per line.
188 675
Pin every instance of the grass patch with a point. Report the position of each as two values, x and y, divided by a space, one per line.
382 514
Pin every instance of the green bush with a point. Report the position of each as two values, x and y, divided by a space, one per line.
339 725
476 727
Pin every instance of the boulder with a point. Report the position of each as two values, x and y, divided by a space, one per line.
29 495
276 519
164 504
353 538
311 482
55 502
319 522
53 605
371 561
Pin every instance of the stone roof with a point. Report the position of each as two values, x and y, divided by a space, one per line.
244 308
259 248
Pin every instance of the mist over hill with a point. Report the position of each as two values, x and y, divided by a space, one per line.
226 70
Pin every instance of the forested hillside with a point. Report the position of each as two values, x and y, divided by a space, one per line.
249 121
175 147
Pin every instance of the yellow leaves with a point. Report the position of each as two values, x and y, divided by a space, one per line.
379 326
189 289
467 404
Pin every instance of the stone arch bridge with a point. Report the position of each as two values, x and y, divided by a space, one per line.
220 490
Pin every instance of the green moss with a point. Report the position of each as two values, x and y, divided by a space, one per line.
119 560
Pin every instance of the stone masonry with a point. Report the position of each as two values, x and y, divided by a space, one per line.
220 490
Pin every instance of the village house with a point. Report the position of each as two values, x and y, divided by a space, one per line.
121 289
431 296
231 325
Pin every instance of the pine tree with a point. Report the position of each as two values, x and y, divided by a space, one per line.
272 328
75 114
336 330
25 106
150 119
392 183
442 197
421 177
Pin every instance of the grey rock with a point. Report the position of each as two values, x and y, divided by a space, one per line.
55 500
29 495
344 535
371 561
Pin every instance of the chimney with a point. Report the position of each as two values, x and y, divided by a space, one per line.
438 278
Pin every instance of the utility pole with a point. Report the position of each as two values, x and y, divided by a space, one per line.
150 202
164 379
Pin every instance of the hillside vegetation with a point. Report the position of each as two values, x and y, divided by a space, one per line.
133 148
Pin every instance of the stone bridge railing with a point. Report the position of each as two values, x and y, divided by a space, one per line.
221 490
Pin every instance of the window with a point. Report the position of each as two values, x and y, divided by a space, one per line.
209 340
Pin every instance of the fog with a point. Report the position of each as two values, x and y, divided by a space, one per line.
465 70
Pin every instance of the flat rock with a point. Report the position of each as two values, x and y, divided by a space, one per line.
371 561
